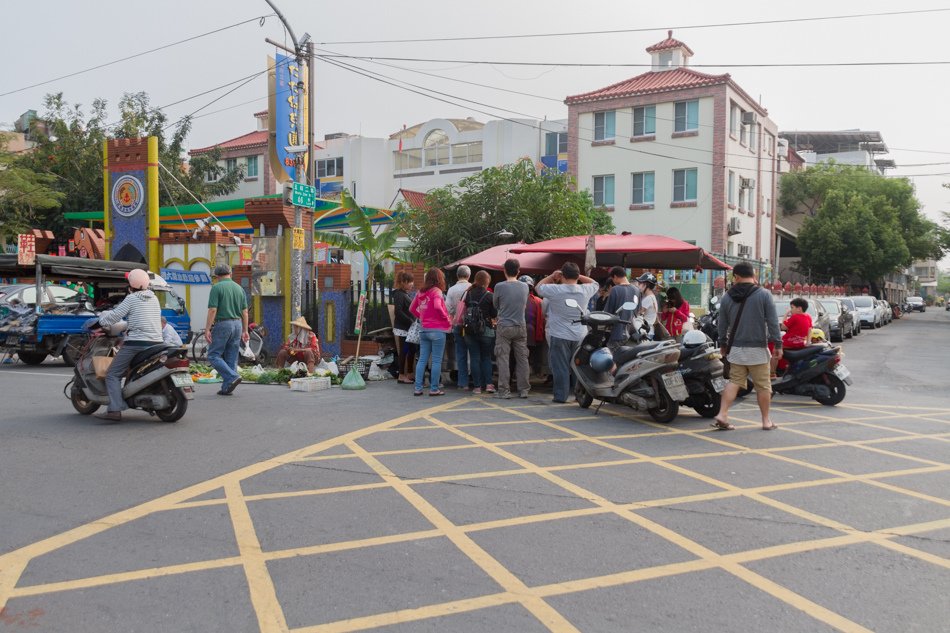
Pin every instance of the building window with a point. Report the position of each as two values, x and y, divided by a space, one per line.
436 148
744 134
732 187
330 167
684 185
605 128
408 159
644 121
555 143
686 117
643 188
467 153
252 167
603 191
769 144
735 118
230 164
742 198
753 132
211 176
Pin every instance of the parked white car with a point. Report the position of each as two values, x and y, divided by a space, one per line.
868 311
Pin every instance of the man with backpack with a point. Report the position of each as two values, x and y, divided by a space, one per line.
564 332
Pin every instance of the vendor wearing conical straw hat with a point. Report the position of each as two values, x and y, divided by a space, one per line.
302 345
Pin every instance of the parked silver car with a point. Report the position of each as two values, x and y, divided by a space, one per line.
868 311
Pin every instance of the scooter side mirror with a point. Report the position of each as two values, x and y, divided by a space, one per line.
572 303
714 302
629 305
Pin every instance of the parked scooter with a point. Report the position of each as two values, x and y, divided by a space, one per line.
815 371
642 376
158 380
700 365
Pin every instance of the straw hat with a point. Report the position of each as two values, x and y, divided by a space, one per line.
302 322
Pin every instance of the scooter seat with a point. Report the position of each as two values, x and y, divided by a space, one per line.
687 353
626 354
149 352
800 354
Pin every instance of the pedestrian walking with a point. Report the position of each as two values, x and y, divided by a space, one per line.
479 332
402 321
143 313
452 298
747 323
510 299
621 292
429 307
226 328
564 332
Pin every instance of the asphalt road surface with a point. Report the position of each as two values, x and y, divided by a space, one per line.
375 510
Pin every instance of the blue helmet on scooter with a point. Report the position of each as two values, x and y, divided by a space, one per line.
601 360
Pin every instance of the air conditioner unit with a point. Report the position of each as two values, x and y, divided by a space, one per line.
735 227
783 147
745 251
746 183
748 118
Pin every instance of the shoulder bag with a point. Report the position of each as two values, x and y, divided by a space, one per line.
726 366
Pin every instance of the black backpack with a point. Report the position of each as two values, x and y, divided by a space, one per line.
473 321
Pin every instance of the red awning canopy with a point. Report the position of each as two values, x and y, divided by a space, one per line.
631 251
531 264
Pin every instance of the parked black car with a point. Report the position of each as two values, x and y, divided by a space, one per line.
842 319
917 304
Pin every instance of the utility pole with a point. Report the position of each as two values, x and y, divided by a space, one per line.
300 174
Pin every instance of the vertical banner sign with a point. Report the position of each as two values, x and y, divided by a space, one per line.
359 313
287 114
26 250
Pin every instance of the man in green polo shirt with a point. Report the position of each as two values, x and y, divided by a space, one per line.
226 328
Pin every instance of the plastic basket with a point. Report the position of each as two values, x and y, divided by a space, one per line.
309 384
362 366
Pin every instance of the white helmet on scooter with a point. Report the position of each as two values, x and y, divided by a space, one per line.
601 360
693 338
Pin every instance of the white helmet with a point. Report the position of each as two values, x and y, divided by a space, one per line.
693 338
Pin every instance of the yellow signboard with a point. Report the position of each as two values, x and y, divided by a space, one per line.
299 240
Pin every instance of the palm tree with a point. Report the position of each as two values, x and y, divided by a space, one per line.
376 246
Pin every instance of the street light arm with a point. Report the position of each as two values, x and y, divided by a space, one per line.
286 24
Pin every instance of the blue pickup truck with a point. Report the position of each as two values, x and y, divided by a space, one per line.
53 326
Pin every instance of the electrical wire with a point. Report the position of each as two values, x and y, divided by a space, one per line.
260 19
485 62
421 91
640 29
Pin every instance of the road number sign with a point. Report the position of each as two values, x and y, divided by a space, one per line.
302 195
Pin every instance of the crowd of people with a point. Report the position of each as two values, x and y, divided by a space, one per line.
519 325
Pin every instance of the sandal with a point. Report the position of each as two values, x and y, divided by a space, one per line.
719 425
417 393
436 393
771 427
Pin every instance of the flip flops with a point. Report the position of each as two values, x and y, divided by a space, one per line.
719 425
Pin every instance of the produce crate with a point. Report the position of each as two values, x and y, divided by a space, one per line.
309 384
362 366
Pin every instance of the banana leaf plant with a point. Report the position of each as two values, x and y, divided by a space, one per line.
376 245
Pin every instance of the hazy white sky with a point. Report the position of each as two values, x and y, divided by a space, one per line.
906 104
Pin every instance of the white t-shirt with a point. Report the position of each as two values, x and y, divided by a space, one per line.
648 308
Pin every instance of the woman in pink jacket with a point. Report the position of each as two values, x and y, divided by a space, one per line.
429 307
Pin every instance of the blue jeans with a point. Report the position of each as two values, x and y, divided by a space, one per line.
481 350
461 357
559 356
224 349
432 343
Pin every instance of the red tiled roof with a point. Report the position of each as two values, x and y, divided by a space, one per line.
653 81
251 139
416 199
261 113
668 44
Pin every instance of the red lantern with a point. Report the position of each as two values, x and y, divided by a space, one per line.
719 283
798 287
777 286
788 287
813 289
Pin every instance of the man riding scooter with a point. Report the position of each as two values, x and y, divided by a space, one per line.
142 311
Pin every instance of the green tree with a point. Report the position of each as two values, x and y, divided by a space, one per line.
69 150
376 246
460 220
23 193
858 223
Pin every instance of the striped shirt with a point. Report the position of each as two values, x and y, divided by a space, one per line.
142 312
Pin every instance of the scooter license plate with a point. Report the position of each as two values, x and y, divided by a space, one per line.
12 339
842 372
675 386
719 384
181 379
